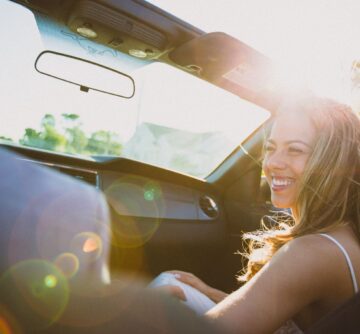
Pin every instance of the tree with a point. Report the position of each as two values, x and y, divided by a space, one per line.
48 138
76 138
104 143
3 138
70 137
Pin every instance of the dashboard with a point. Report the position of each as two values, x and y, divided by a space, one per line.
136 189
153 198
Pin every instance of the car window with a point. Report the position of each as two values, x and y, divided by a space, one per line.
175 120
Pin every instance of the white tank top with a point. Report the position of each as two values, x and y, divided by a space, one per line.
290 326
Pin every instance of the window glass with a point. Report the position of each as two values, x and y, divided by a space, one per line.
175 120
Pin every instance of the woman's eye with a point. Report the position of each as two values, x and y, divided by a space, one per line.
268 148
295 150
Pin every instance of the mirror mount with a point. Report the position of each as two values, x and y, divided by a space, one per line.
84 89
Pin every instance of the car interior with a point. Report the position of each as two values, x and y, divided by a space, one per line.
175 146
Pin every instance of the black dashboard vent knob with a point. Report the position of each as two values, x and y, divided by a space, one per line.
209 206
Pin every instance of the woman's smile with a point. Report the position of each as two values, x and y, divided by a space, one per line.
279 183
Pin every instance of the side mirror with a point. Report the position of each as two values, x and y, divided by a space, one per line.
85 74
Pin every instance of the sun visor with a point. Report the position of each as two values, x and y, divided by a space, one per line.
230 64
217 56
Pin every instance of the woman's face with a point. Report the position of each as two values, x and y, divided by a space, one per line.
287 151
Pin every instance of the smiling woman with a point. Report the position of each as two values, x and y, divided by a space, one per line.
311 162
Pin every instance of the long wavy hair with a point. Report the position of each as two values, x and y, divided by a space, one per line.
329 192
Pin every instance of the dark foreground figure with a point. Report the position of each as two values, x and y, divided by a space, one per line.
54 251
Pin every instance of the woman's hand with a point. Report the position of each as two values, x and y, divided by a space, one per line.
172 290
190 279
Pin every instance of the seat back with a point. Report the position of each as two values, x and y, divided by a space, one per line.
344 319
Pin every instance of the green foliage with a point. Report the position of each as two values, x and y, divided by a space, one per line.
104 142
3 138
76 140
71 117
70 138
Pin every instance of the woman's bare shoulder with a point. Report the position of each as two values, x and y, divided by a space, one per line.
318 249
314 246
309 248
317 261
312 259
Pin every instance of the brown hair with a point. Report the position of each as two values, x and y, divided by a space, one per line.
329 195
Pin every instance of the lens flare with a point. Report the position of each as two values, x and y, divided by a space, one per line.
90 245
149 195
37 288
52 229
87 246
138 206
50 281
152 191
68 264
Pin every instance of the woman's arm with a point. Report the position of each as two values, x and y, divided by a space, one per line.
299 274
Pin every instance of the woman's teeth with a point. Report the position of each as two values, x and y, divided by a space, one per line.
281 182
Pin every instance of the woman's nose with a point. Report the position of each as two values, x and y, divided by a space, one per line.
276 160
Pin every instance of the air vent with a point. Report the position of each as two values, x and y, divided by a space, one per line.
209 206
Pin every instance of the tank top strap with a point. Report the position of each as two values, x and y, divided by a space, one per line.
347 257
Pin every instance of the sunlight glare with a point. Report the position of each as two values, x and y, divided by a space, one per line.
318 39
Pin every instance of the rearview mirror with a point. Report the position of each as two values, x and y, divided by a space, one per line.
85 74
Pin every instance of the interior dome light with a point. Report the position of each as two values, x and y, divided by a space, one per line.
138 53
86 31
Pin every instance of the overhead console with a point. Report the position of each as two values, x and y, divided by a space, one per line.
134 27
117 30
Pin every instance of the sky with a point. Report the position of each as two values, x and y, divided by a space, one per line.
314 40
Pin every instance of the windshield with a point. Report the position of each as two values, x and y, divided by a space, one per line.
175 120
